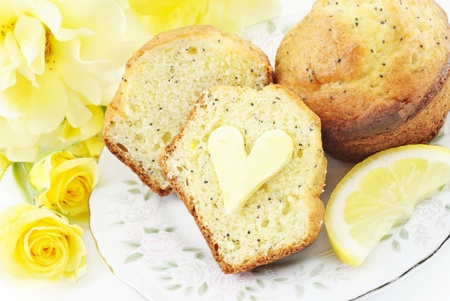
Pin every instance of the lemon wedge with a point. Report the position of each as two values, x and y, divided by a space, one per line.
380 192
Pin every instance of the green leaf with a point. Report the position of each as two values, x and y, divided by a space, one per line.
172 264
20 172
199 255
250 289
280 279
260 283
170 230
131 182
157 268
404 234
174 287
400 224
396 245
191 249
386 237
151 230
147 195
320 285
134 191
131 244
134 257
118 223
271 27
317 270
202 289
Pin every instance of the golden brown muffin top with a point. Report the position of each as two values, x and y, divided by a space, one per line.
366 66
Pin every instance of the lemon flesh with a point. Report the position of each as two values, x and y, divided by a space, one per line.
380 192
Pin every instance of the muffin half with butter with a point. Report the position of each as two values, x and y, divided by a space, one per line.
250 168
376 72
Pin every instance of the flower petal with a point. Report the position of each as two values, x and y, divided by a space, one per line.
259 10
37 104
135 31
88 13
226 15
49 13
94 125
31 38
75 74
17 143
72 58
17 59
7 67
87 130
77 113
4 164
36 242
91 147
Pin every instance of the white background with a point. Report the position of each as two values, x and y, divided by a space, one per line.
429 281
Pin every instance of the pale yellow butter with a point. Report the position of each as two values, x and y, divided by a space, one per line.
240 175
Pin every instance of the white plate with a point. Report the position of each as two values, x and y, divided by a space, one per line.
153 244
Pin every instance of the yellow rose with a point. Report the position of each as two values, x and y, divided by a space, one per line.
227 15
58 59
36 242
91 147
4 164
64 182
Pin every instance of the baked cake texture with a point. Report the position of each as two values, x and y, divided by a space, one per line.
376 72
285 214
162 80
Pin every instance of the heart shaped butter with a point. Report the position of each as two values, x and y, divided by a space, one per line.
240 175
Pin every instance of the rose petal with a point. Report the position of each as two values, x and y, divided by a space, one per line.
91 147
31 38
17 58
76 75
85 165
17 144
227 15
4 164
65 181
259 10
35 241
94 125
135 31
49 13
37 103
7 69
85 40
91 128
77 112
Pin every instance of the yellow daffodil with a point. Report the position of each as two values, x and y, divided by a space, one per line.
36 242
227 15
58 60
64 182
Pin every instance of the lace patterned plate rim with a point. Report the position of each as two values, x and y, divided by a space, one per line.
153 244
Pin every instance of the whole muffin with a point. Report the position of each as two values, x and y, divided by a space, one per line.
376 72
